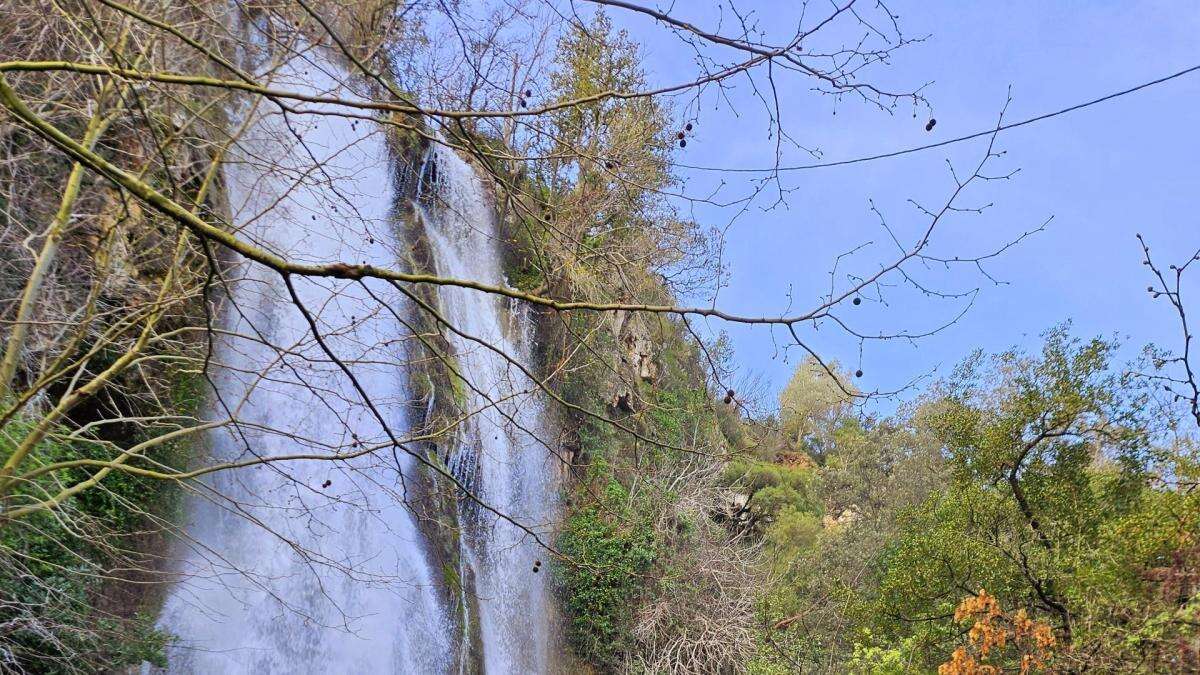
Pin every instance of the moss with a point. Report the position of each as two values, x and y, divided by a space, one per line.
450 574
457 384
525 277
433 367
406 134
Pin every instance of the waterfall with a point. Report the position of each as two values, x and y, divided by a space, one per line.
312 566
308 566
503 453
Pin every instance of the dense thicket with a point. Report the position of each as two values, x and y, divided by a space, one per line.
1034 486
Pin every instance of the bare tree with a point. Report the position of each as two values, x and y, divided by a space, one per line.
1174 372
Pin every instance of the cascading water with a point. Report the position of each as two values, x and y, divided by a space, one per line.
308 566
318 566
498 454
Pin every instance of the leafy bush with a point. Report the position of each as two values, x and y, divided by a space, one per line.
54 565
610 546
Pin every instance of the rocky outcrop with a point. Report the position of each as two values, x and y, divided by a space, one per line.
633 360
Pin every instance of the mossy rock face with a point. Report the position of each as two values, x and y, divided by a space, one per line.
406 138
628 541
434 370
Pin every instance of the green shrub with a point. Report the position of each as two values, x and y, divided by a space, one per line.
53 564
610 547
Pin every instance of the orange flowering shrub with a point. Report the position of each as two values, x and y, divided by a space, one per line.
993 635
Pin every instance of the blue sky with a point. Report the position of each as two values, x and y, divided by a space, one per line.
1103 174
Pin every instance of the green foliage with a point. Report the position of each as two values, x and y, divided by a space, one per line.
1033 476
525 277
678 415
609 546
52 564
634 133
628 540
1027 489
1049 508
778 495
592 211
793 530
871 659
813 405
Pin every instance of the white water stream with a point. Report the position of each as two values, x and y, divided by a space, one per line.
317 566
499 454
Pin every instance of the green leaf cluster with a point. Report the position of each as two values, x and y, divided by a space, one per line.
609 546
